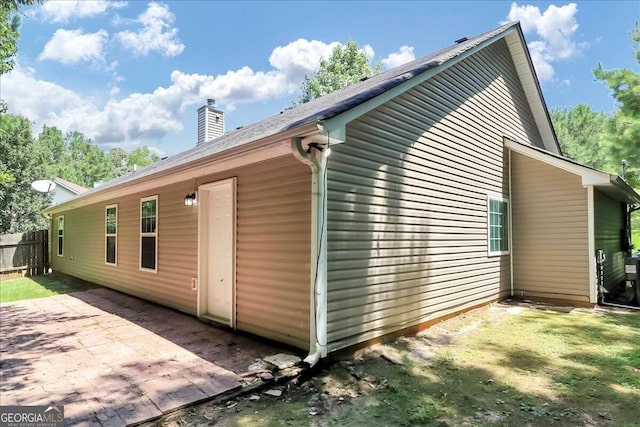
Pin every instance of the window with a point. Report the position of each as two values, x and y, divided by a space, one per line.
149 233
60 235
498 221
111 234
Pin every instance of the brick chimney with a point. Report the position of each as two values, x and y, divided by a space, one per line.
210 122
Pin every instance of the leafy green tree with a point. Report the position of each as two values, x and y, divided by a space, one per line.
90 164
72 157
580 134
9 26
142 156
623 129
9 31
118 158
53 154
9 34
77 159
20 205
124 163
345 66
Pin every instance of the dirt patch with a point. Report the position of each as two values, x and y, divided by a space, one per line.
502 365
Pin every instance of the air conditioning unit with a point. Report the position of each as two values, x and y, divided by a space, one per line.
632 273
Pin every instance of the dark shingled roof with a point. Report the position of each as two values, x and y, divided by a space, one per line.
321 108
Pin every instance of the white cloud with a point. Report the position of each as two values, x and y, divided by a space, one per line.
116 78
156 35
555 27
300 58
401 56
137 118
40 101
63 11
368 51
71 46
544 69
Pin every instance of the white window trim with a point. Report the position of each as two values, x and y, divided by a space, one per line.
499 199
106 235
60 248
154 234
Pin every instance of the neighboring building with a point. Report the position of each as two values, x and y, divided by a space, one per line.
210 122
65 190
445 189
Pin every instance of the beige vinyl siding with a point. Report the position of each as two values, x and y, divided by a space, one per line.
550 234
273 253
609 226
84 255
407 202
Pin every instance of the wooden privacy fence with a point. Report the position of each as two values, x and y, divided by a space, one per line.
24 253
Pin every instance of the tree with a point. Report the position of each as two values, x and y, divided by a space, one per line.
9 31
118 158
142 156
345 66
623 129
76 158
9 34
124 163
90 164
53 154
72 157
580 134
20 205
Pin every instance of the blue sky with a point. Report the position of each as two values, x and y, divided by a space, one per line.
133 73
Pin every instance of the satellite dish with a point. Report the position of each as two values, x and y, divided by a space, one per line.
43 186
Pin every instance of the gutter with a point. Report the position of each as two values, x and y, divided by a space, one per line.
314 158
630 192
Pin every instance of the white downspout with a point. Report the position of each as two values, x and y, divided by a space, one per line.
318 289
591 235
511 229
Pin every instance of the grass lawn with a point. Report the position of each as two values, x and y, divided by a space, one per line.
502 365
40 287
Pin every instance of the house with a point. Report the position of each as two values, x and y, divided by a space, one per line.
64 190
433 188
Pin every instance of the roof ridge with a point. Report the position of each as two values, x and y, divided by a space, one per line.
322 108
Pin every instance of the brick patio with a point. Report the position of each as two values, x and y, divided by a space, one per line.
112 359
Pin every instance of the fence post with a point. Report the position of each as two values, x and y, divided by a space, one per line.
45 251
24 253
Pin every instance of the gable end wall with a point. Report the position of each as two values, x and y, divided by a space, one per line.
407 202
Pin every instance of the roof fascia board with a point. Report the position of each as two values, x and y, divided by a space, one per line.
531 86
629 191
63 185
260 150
589 176
69 189
336 126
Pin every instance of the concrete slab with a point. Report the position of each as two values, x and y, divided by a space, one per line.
113 359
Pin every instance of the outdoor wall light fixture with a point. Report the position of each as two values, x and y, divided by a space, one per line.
190 199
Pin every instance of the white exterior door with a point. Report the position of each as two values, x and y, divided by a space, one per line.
218 256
